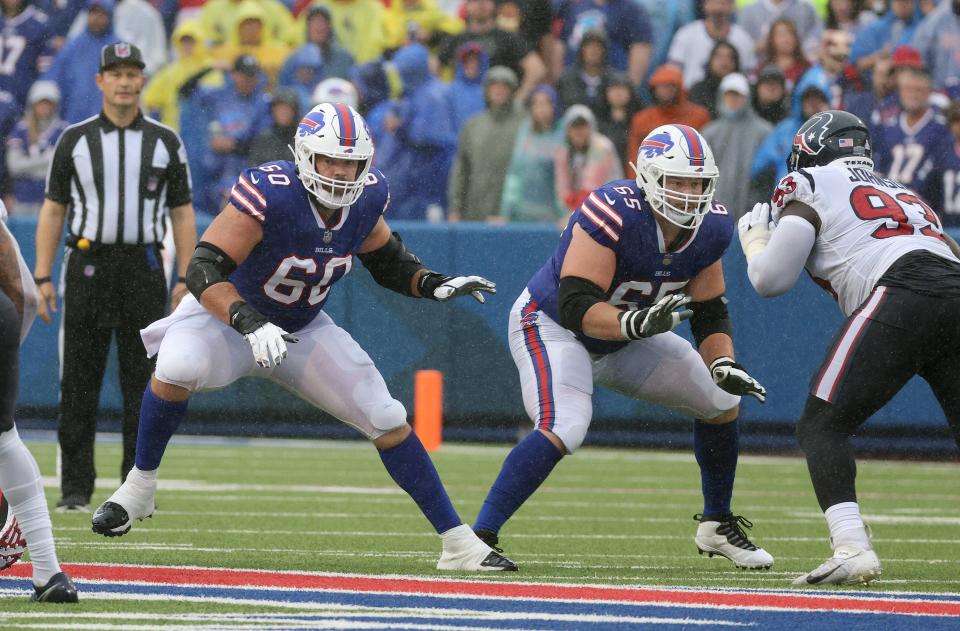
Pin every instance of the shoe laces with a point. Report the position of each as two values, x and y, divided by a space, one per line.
731 526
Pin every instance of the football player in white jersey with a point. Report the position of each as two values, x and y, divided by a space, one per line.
19 474
880 250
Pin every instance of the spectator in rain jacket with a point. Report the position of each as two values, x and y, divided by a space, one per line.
466 89
336 61
424 138
586 159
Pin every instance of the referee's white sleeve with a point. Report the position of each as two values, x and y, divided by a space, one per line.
776 269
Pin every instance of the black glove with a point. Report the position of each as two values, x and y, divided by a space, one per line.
733 378
439 287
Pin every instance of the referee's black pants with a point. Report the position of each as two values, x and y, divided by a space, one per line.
107 290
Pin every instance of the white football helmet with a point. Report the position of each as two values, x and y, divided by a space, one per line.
336 90
678 151
337 131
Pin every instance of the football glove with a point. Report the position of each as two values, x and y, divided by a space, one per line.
267 340
754 229
659 318
443 288
733 378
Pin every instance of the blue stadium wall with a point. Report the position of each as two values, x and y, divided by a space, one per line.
780 340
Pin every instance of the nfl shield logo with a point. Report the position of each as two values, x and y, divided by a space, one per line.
122 50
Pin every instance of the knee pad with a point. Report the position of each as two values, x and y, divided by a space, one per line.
388 416
183 368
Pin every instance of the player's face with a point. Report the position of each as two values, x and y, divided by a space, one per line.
682 186
336 168
121 85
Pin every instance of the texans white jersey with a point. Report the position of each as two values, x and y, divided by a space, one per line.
867 223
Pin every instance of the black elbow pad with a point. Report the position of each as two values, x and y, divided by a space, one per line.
709 317
393 265
575 297
210 265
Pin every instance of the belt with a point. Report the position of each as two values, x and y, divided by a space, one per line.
86 245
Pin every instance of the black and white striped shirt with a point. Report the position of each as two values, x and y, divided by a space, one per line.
119 183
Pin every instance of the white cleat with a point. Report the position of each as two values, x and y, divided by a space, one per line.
466 552
726 537
133 500
849 565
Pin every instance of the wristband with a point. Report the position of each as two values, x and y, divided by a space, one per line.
245 319
181 279
42 279
428 283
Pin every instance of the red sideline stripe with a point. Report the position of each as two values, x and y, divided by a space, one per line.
292 580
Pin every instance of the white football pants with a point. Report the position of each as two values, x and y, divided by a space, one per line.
557 374
326 368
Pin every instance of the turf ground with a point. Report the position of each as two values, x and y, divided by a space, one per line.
605 517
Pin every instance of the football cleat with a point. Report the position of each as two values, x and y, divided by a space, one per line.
724 535
133 500
464 551
849 565
73 504
488 537
59 589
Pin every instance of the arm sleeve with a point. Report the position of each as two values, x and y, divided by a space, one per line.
178 176
775 270
61 171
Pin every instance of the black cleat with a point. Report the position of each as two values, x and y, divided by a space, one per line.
59 589
488 537
498 561
111 520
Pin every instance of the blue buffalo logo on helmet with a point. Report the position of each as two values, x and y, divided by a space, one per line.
656 145
312 122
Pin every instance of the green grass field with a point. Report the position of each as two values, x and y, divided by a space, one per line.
606 516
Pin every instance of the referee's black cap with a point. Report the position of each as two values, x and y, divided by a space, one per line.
120 53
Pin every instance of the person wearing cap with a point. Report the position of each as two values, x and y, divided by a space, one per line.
484 150
337 61
118 180
770 95
234 115
735 135
670 105
78 62
893 28
30 147
909 148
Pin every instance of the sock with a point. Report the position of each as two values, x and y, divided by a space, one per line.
846 525
159 419
526 467
413 471
23 488
716 447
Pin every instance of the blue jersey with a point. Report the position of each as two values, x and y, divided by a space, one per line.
25 51
950 185
288 275
617 216
912 156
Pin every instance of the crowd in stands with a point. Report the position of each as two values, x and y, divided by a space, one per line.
497 110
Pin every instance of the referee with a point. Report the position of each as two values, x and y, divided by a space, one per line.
114 179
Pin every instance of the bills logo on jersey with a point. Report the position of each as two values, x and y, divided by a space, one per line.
311 123
656 145
815 128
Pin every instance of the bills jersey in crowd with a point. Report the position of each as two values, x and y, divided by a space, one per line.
288 275
618 216
950 185
912 155
867 223
26 51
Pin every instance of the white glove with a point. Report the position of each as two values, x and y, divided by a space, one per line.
755 228
659 318
269 344
443 288
734 378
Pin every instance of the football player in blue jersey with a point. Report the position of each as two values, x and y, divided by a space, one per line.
259 279
600 311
